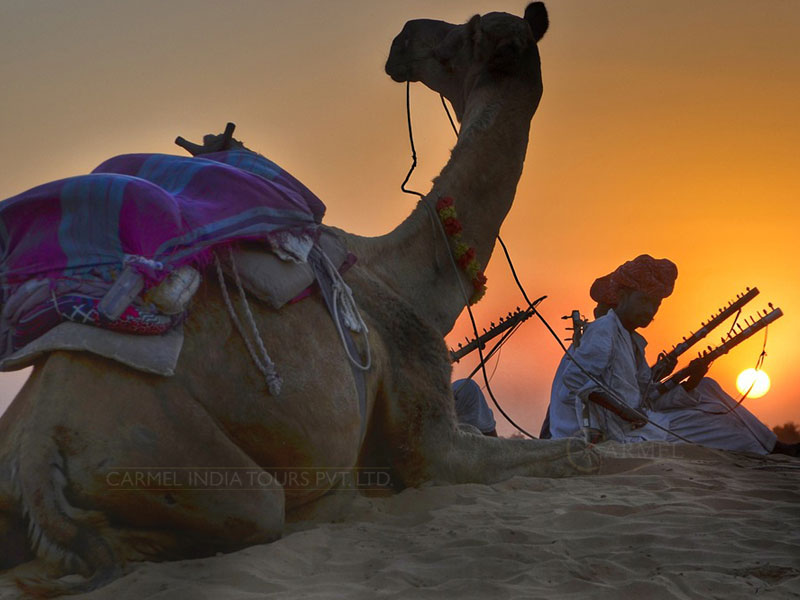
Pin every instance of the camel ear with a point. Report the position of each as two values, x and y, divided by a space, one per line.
536 16
474 31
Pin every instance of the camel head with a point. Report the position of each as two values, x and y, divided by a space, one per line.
455 60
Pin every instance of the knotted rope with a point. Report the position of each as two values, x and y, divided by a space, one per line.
263 362
343 299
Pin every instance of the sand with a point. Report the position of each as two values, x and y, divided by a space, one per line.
661 521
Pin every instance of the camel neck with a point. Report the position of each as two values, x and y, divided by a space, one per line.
481 177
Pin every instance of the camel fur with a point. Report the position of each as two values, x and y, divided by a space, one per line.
80 417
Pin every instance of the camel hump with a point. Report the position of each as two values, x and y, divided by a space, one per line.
536 16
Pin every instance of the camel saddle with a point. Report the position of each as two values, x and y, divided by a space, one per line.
108 262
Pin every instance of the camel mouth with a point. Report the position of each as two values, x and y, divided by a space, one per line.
397 72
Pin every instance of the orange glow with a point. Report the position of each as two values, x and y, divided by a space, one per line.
665 128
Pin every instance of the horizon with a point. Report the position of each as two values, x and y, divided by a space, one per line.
668 130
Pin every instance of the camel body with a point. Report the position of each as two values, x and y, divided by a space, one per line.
81 420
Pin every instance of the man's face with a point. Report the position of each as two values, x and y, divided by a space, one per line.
636 309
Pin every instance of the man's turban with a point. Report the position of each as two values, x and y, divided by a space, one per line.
652 276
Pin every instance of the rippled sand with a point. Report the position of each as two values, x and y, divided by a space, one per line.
660 521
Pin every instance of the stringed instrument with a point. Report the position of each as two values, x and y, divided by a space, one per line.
707 326
505 324
733 339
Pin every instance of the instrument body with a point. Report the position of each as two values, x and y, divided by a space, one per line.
505 324
707 326
733 339
665 382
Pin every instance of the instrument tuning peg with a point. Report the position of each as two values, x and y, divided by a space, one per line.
459 345
684 338
770 304
491 324
518 309
747 288
501 319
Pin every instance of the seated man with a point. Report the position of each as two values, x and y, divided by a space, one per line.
471 407
612 352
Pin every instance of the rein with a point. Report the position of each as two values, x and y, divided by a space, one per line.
441 228
531 305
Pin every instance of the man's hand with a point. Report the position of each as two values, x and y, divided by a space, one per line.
696 370
664 366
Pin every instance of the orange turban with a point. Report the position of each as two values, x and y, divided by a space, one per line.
652 276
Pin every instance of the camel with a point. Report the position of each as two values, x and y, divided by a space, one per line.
81 418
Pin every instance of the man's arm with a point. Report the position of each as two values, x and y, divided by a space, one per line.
620 409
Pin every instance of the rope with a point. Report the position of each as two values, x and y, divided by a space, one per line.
759 364
597 381
438 226
344 294
531 305
263 362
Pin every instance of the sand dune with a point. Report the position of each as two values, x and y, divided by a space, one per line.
659 522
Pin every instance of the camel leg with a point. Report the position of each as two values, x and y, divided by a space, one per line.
94 501
462 457
208 497
420 424
434 448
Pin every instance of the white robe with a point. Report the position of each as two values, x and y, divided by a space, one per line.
616 357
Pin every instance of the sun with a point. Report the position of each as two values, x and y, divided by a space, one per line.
758 379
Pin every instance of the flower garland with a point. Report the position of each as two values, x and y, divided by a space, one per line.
465 255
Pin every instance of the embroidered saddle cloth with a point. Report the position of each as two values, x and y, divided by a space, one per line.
67 245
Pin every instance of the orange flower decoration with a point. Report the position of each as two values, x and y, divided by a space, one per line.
465 255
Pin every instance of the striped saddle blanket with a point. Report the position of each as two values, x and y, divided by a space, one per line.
63 245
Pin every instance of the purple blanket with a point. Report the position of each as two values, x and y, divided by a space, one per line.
153 211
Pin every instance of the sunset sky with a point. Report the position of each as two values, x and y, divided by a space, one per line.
668 128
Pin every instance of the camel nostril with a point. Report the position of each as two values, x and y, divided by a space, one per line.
397 72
